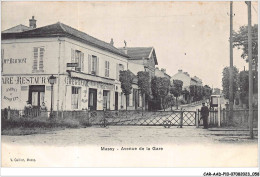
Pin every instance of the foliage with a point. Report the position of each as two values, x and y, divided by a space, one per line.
243 82
240 40
176 88
144 82
126 80
186 94
207 91
160 88
225 81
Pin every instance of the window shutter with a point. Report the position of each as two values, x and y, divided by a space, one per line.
35 58
107 68
97 66
117 71
82 62
41 58
89 64
72 56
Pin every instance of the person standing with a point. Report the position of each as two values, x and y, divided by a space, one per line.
204 115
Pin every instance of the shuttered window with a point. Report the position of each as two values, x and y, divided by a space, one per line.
75 97
38 58
107 68
93 62
77 57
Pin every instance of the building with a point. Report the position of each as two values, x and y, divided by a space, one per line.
87 69
161 73
186 79
141 59
197 81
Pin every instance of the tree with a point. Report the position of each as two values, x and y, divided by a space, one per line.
186 94
225 81
176 89
243 82
126 80
144 84
160 89
207 92
240 40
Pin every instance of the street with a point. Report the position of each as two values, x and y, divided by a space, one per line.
182 147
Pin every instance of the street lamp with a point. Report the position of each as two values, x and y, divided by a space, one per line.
52 80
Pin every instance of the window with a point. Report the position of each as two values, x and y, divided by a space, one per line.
94 65
106 99
38 55
78 57
75 97
106 68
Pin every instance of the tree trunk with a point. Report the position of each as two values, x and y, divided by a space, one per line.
126 102
142 102
177 102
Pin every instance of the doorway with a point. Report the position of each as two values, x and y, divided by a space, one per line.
36 95
92 103
116 100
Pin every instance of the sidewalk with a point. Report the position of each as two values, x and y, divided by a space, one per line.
230 129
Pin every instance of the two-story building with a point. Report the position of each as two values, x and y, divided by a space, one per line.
140 59
86 69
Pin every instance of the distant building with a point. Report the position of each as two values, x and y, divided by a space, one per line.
161 73
141 59
197 80
186 79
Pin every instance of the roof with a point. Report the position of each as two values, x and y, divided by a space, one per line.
17 29
138 53
135 79
62 30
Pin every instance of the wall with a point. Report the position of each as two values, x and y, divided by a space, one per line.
23 49
184 78
135 68
101 54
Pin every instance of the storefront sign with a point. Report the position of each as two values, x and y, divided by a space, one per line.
14 61
21 80
11 94
72 64
75 82
86 83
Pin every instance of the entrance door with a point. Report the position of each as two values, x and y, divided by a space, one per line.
116 100
92 101
36 95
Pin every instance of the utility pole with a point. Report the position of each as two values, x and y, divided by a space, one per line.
231 95
250 71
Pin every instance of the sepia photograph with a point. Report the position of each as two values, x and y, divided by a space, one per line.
130 85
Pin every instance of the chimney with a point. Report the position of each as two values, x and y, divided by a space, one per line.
180 70
112 42
32 22
125 47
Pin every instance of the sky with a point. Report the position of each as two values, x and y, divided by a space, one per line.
192 36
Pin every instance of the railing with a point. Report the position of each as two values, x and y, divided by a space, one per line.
139 118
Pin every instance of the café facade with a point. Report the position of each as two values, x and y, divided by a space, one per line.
86 70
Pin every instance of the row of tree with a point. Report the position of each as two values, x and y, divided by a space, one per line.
159 92
240 84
